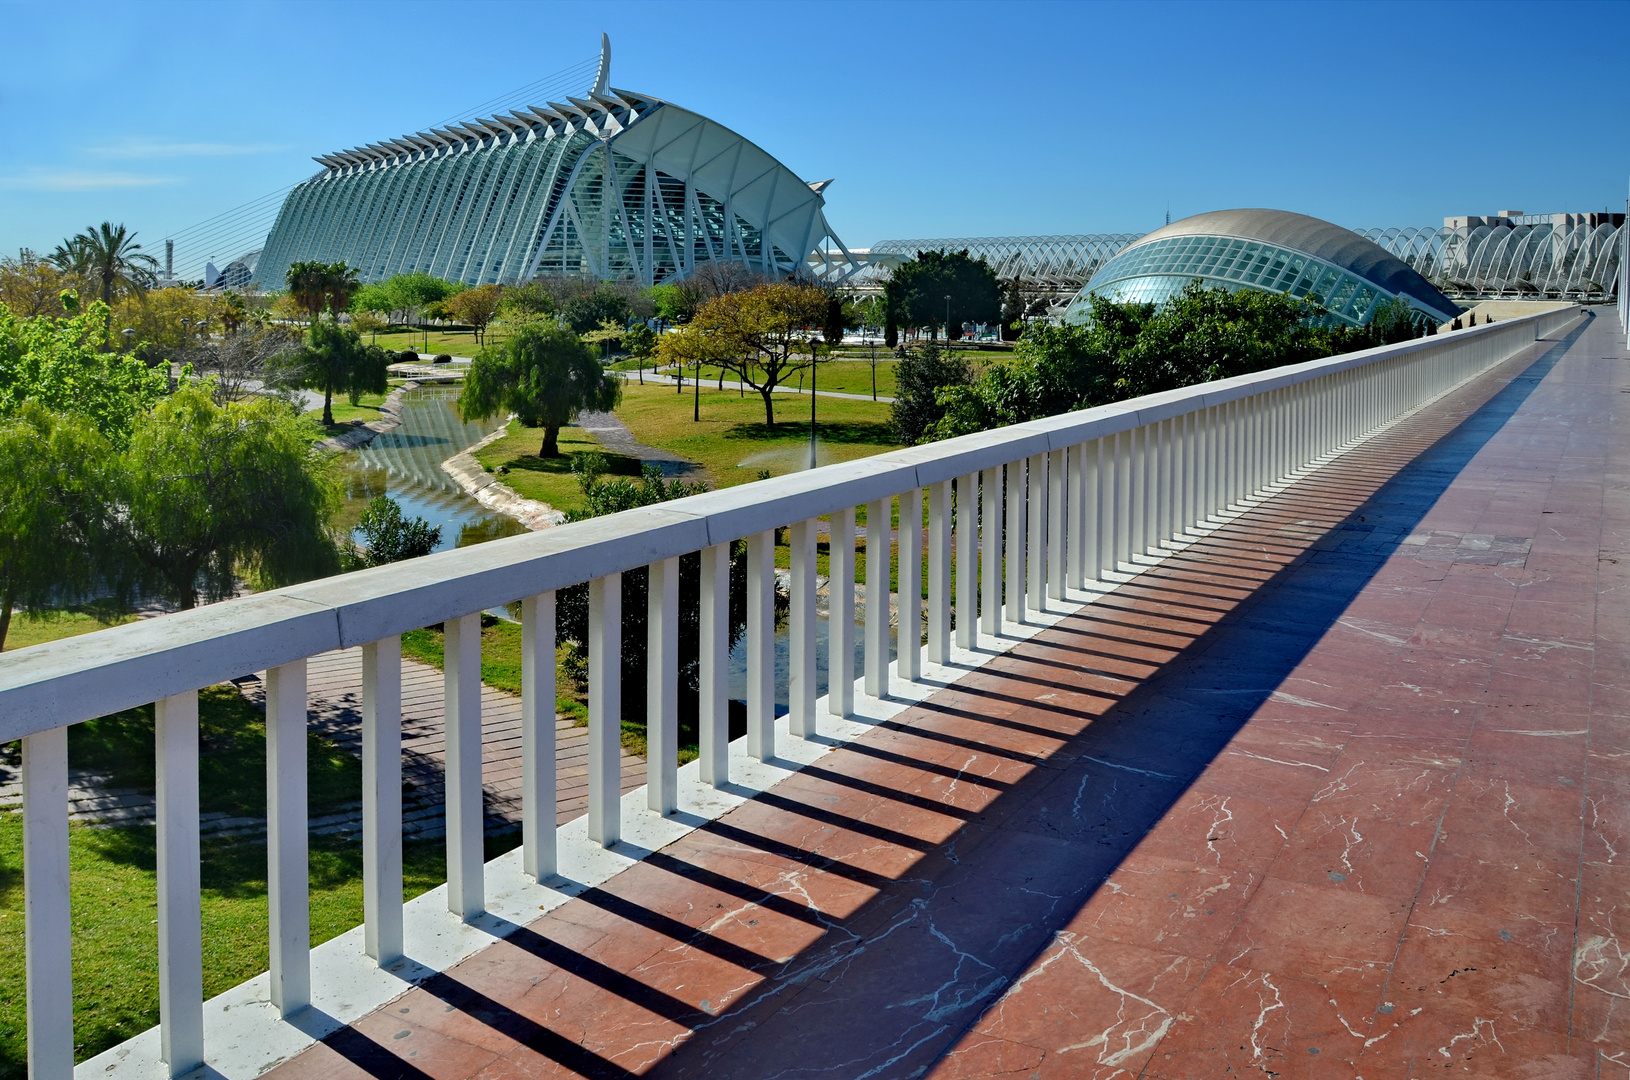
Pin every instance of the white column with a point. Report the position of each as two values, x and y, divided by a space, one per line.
662 687
180 930
908 636
1089 458
288 868
605 709
1165 481
713 676
1013 543
990 554
761 645
840 619
801 670
382 800
877 597
538 766
466 889
1035 550
967 561
1122 530
939 573
47 917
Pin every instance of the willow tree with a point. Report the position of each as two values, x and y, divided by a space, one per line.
545 375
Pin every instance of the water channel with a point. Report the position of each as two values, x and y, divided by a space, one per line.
405 464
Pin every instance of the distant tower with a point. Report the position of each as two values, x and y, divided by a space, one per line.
1168 213
169 260
601 79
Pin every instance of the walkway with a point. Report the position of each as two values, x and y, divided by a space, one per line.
610 432
1337 790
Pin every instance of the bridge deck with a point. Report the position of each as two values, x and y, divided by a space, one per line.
1337 791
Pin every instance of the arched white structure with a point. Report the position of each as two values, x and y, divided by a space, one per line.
1046 262
1560 259
613 185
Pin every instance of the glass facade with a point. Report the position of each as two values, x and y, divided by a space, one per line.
616 186
1156 271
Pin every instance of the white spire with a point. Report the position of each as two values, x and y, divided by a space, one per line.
605 64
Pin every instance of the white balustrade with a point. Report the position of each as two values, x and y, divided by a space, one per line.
1023 520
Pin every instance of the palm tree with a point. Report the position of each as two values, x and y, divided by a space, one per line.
110 258
308 286
342 285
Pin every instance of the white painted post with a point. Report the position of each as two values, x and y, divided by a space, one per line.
1092 513
990 554
801 670
1035 549
382 800
1165 479
877 597
713 681
47 917
461 651
1013 542
939 574
539 769
662 687
840 618
605 709
967 561
1058 516
1120 531
288 868
908 638
180 928
761 645
1079 520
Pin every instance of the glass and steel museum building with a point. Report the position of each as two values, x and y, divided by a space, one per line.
611 185
1272 250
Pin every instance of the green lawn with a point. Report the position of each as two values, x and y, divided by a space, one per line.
732 442
453 342
548 480
26 630
840 376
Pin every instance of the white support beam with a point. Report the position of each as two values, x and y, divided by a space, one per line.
288 869
662 688
47 912
605 709
466 888
180 929
382 799
801 632
539 797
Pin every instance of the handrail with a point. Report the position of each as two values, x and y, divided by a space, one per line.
80 678
1036 515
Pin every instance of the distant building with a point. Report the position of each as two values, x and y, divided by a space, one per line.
611 185
1272 250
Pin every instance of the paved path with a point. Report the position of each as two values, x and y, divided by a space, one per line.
1336 791
613 434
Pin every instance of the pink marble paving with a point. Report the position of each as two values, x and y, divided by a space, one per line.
1338 791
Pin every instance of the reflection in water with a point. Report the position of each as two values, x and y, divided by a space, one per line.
406 465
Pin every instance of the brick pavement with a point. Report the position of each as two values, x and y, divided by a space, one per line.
1334 791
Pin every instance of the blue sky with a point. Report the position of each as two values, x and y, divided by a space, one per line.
936 120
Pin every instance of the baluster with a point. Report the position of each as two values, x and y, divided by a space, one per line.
47 916
180 930
990 554
288 869
967 561
1035 549
1078 521
908 634
382 799
801 673
466 887
539 769
1013 544
1092 512
761 645
1165 481
939 574
877 598
840 614
605 708
662 687
1120 532
713 676
1058 516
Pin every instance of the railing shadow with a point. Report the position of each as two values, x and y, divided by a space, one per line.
962 895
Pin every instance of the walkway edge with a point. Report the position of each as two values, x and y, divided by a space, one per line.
390 411
481 486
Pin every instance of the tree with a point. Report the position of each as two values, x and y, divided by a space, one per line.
30 285
308 287
206 493
475 308
236 362
334 358
919 380
109 257
389 537
916 293
585 312
58 364
760 334
640 341
834 322
524 303
157 317
341 287
544 375
48 509
675 302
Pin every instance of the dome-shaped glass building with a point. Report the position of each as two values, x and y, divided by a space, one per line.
1272 250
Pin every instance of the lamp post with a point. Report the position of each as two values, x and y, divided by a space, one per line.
696 402
128 334
813 367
